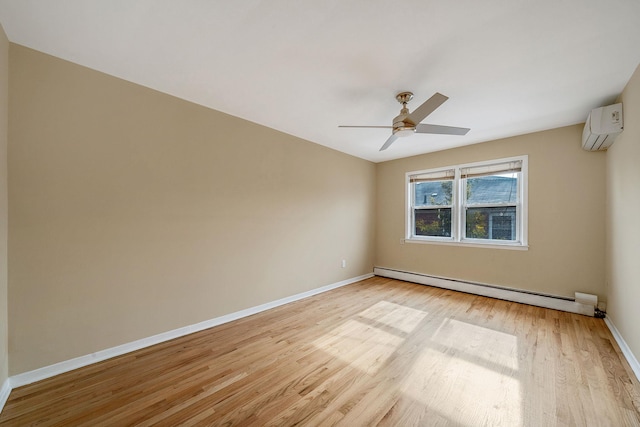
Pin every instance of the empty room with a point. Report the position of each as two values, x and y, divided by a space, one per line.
344 213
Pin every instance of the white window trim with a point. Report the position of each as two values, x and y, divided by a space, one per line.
456 216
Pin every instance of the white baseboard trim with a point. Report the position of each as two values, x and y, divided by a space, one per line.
492 291
626 351
78 362
4 393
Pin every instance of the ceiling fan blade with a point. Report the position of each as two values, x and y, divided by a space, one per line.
386 145
371 127
441 130
427 107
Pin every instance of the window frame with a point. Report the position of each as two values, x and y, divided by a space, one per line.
452 205
459 208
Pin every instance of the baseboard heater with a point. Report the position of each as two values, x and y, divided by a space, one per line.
492 291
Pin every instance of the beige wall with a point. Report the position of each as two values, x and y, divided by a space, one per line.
566 218
4 113
134 213
623 223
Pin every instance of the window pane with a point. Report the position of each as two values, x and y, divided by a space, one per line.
492 189
491 223
433 193
433 222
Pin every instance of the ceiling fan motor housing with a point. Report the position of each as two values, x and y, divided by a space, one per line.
402 126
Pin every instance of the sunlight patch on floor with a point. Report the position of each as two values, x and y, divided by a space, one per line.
493 348
460 389
469 371
396 316
367 341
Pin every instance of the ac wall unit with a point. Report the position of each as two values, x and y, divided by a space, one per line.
603 125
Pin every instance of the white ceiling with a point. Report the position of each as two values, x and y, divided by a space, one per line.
509 67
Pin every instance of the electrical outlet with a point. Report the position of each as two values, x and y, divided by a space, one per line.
344 263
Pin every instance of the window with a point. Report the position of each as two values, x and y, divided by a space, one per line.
433 203
475 204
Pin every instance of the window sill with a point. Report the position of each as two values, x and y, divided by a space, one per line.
510 246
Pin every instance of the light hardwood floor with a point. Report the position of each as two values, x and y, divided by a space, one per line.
378 352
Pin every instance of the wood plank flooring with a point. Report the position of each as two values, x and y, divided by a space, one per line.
378 352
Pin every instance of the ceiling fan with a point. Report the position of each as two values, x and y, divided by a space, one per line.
408 123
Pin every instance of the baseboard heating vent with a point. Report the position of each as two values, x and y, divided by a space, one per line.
492 291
